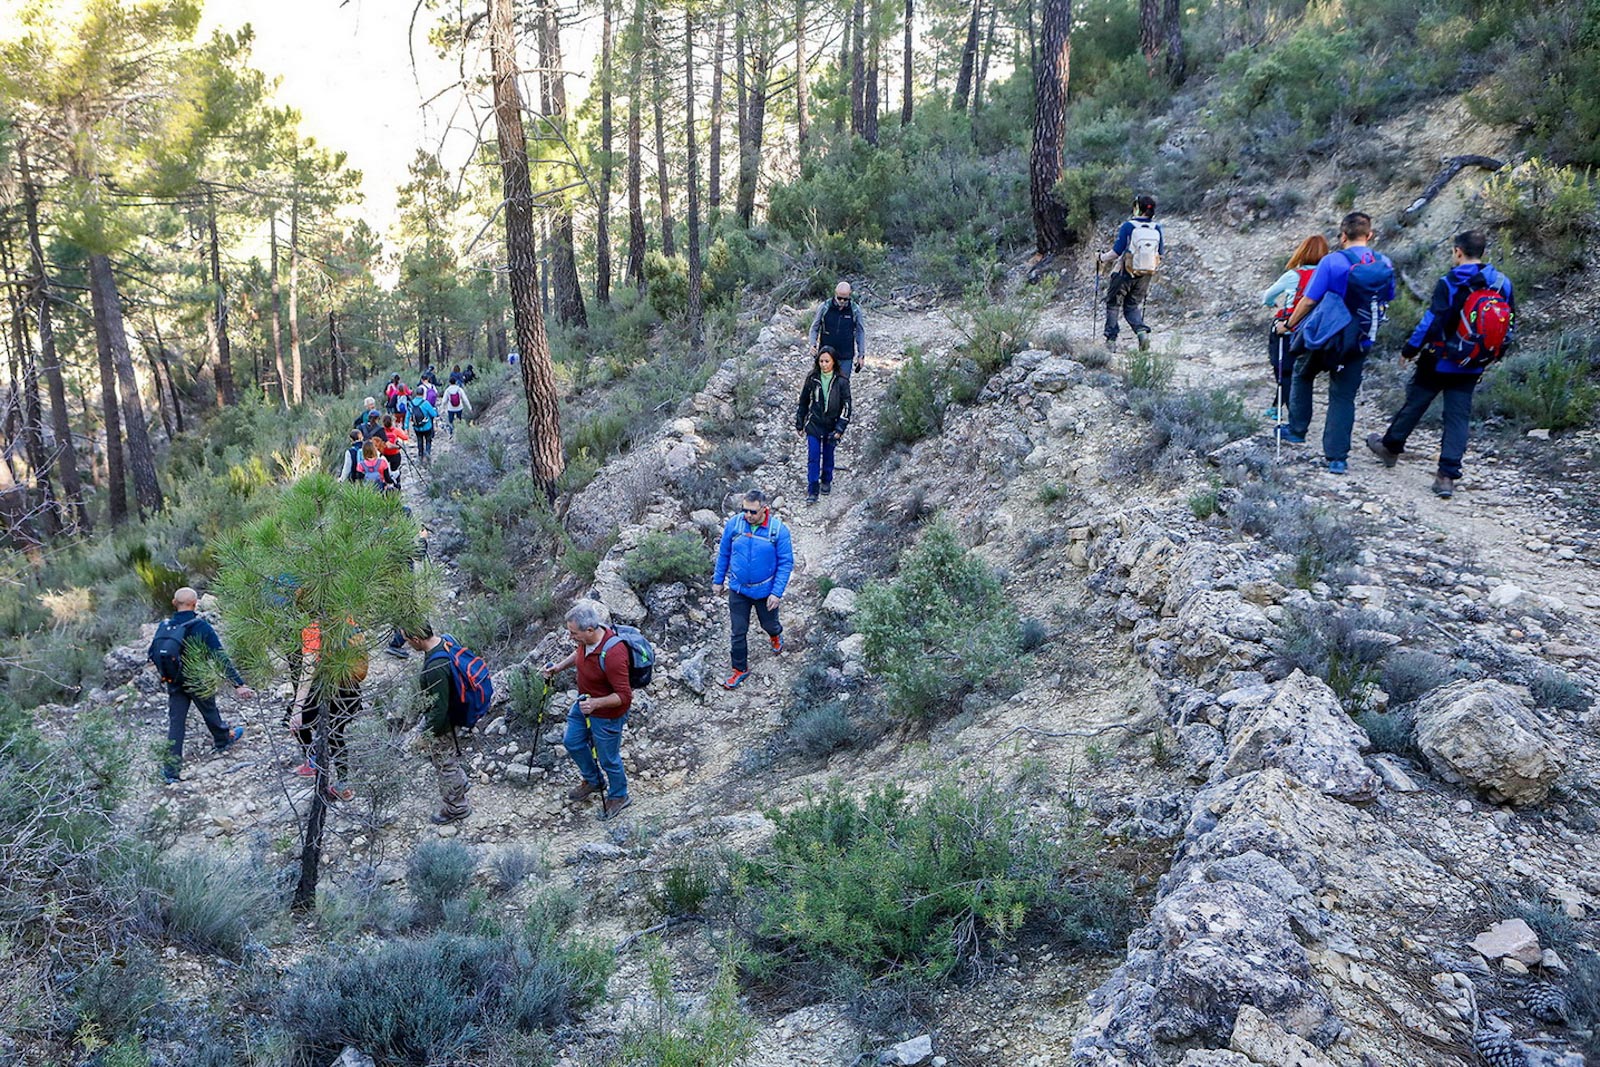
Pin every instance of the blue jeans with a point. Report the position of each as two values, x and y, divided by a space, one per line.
1342 387
844 366
1457 404
450 420
606 737
739 607
819 459
178 723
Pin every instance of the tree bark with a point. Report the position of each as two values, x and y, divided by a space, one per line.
1172 30
983 60
538 377
335 355
845 73
227 393
696 297
759 62
166 368
905 87
636 237
111 336
570 310
1049 120
48 510
305 890
602 221
658 92
801 119
151 354
714 195
66 451
295 371
869 103
858 70
969 58
1150 32
277 309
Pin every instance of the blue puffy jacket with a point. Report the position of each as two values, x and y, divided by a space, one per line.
755 560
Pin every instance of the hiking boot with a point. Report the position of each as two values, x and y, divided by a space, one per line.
827 487
811 498
1111 344
399 653
1381 450
170 778
1443 487
736 679
1143 337
777 643
612 806
582 791
234 734
306 770
1288 436
339 792
1338 466
442 818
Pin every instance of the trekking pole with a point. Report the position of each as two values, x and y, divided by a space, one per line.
1094 309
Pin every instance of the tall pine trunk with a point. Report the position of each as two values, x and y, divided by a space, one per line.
570 310
277 309
32 430
50 362
1049 121
983 59
758 60
905 74
658 92
538 377
714 148
869 102
696 298
295 368
227 393
801 119
602 221
151 355
969 58
636 237
111 337
1172 31
858 70
1150 40
166 369
335 356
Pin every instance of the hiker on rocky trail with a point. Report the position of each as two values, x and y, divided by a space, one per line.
372 427
1137 253
754 561
822 417
394 438
374 469
402 408
456 405
840 326
391 393
469 375
1466 328
1334 326
349 471
594 722
369 406
1282 296
177 642
430 377
341 702
457 376
428 391
423 414
437 726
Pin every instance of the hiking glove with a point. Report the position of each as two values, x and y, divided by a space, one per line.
1409 351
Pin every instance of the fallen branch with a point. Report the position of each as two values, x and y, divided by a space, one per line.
1033 732
665 924
1452 166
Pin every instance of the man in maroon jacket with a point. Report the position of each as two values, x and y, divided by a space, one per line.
594 723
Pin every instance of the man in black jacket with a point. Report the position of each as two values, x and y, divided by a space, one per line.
839 325
176 640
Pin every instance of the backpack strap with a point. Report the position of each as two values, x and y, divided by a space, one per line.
612 642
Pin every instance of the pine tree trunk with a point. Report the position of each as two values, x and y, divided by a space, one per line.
1172 31
112 337
983 60
150 354
1049 121
759 60
277 309
658 92
166 367
969 58
714 149
696 297
1150 32
869 103
32 429
295 371
858 70
227 393
335 356
801 119
305 890
60 418
538 377
602 222
905 87
570 310
636 237
844 65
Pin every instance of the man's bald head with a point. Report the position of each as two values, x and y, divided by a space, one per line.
842 290
185 599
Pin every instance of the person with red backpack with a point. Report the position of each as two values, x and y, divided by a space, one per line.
1282 296
605 663
1469 322
393 438
374 469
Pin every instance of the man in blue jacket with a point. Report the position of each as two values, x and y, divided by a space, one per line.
1431 344
1137 253
175 640
754 561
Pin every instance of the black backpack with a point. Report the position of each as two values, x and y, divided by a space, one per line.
166 651
355 464
641 657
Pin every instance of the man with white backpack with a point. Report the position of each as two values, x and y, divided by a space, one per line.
1137 253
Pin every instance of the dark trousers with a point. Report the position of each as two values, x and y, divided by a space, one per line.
844 366
1343 384
1125 295
739 607
450 420
1457 405
343 708
178 722
425 444
1280 359
819 461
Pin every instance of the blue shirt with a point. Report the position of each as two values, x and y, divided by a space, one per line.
1333 275
755 560
1120 246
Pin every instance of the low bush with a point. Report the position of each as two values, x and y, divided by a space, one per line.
912 407
1555 688
514 865
720 1035
991 330
941 629
1552 389
1150 370
116 993
820 731
1408 674
683 888
211 904
1186 423
1391 731
438 875
663 557
1317 538
1342 647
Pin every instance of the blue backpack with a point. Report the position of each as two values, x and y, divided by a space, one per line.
641 657
471 688
1366 292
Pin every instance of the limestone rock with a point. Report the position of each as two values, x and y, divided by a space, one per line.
1265 1042
1484 734
1305 732
679 458
1215 1057
613 590
909 1053
352 1057
665 601
707 521
124 662
853 648
839 601
1509 937
1055 374
692 672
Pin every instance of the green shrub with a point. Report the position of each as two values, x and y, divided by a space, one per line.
1555 688
943 628
1183 423
438 874
1409 674
1342 647
992 331
1203 503
1150 370
683 889
1392 731
912 408
1552 389
115 993
822 730
212 904
515 864
1317 538
721 1035
663 557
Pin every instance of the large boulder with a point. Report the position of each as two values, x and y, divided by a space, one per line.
1305 732
1484 734
611 588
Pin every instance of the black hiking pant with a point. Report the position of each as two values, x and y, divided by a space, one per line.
1456 400
342 708
178 703
1125 295
739 607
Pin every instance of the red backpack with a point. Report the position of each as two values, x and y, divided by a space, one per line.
1299 290
1483 327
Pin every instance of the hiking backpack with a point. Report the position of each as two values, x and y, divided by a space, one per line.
166 651
472 688
1144 249
454 397
431 394
1366 290
421 421
355 464
1305 274
641 657
1483 327
372 472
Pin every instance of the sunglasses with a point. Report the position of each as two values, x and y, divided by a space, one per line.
752 511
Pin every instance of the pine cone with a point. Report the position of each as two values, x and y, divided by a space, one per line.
1498 1049
1548 1004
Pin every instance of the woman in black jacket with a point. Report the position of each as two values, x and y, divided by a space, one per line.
822 416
